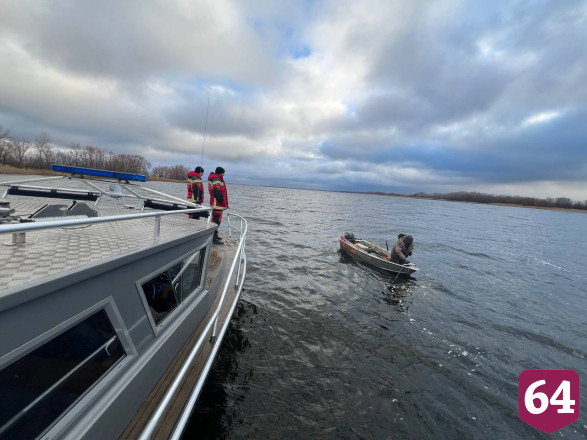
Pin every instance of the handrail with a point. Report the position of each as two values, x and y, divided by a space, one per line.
156 417
46 188
239 252
187 410
101 191
230 227
36 179
34 226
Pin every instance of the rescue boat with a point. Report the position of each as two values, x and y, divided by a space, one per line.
372 255
113 305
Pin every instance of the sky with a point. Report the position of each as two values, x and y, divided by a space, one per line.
393 95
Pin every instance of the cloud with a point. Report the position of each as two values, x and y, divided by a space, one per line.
396 96
539 118
134 41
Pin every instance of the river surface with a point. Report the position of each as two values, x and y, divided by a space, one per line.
322 347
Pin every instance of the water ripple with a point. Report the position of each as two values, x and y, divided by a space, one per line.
323 347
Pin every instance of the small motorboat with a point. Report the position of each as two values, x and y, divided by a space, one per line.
373 255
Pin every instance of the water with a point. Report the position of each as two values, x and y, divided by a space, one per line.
321 347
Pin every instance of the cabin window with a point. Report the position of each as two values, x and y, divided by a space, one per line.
41 386
173 286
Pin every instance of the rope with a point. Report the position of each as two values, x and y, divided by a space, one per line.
396 277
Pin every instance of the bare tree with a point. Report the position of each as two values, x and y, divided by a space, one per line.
43 148
100 158
62 157
110 159
49 157
5 145
4 134
161 172
5 149
75 152
21 146
130 163
90 156
178 172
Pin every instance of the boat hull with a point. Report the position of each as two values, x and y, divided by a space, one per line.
126 303
373 259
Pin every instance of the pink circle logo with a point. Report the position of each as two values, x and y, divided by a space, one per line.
548 399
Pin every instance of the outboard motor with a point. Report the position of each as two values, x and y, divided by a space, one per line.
350 237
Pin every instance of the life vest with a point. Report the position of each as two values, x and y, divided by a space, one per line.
196 178
217 182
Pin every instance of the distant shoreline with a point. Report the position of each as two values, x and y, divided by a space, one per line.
512 205
7 169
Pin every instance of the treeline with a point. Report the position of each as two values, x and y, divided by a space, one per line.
476 197
40 154
175 172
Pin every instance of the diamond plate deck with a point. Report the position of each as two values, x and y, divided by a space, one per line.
52 251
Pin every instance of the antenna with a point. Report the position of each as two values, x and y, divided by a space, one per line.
205 128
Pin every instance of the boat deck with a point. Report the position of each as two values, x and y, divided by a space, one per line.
221 258
55 250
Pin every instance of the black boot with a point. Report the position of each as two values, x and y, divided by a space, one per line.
217 239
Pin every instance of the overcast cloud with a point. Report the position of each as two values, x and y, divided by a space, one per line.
397 96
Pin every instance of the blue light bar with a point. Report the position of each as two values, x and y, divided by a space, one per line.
99 173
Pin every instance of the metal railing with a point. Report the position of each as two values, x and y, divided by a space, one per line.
240 256
239 230
88 182
21 228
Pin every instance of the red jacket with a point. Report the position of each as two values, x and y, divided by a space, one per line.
195 188
217 190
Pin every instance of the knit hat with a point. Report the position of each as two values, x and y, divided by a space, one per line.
199 170
219 170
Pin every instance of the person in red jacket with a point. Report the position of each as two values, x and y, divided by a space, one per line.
218 198
196 189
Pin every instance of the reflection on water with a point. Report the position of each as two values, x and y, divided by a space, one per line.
398 287
398 293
